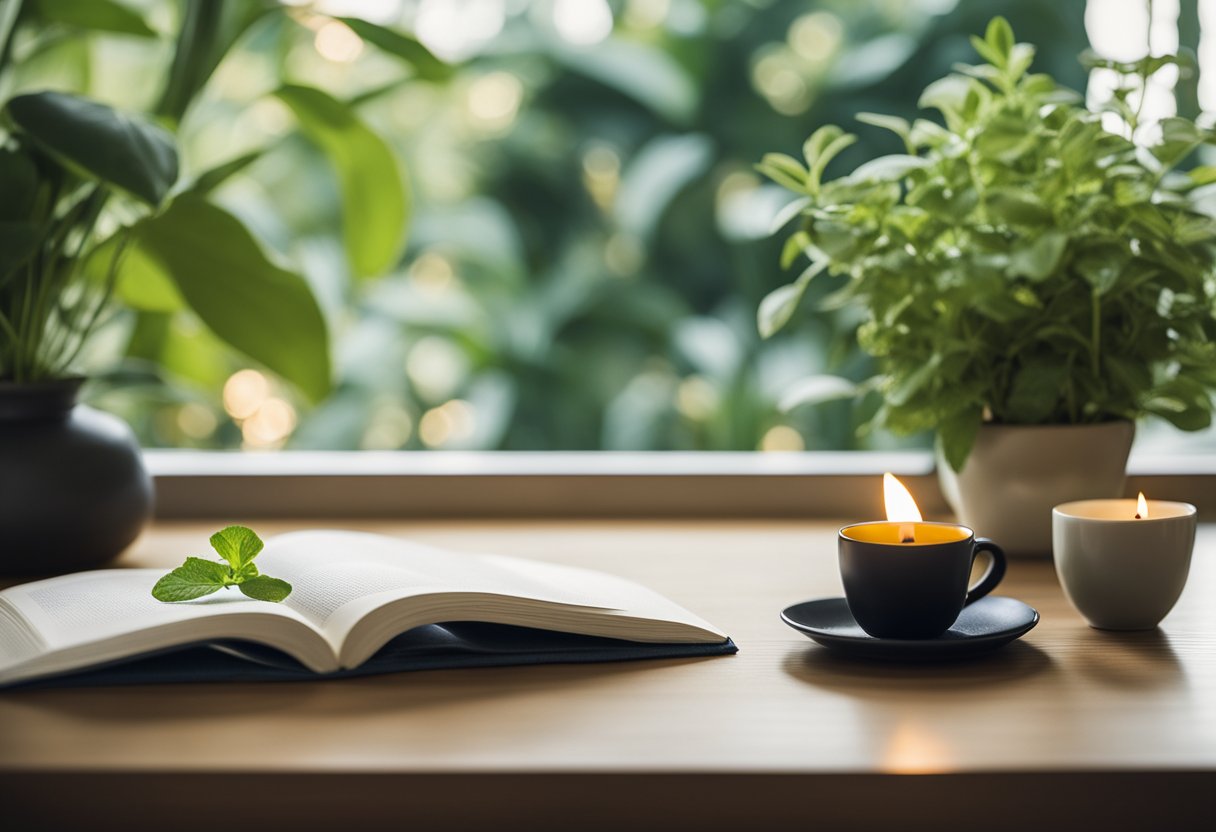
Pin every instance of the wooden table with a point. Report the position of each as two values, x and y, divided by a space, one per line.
1069 726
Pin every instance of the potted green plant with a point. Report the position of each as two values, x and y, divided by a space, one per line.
85 187
1033 280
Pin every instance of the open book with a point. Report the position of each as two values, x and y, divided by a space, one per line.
360 603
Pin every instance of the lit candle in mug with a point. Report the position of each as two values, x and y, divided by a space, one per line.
908 578
1123 563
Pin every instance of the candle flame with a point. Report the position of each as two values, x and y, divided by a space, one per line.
1141 507
901 508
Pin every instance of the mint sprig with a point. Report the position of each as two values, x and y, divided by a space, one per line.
197 577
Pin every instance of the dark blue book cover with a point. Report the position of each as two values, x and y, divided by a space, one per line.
433 647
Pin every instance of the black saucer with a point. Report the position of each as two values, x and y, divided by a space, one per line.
987 624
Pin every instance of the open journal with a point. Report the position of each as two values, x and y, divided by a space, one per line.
361 603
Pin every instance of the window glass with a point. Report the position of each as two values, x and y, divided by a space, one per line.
588 238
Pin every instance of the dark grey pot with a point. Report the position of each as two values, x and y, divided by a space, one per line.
73 488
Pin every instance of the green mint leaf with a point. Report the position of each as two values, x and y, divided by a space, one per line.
265 588
198 577
237 545
193 579
249 570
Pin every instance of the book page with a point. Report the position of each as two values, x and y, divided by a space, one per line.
342 578
91 606
331 571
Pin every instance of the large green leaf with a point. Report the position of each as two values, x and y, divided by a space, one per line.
116 148
209 29
142 280
375 201
264 311
400 45
94 16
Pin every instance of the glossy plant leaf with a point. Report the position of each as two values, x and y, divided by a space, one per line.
260 309
265 588
209 29
193 579
238 545
375 201
401 45
141 283
117 148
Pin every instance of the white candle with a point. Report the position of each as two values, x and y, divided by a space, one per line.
1123 563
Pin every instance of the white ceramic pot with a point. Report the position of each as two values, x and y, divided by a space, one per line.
1016 474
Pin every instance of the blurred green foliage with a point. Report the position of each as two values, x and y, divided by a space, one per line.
589 239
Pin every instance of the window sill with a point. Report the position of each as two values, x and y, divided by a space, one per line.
582 484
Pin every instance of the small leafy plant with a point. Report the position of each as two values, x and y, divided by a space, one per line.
197 577
1021 264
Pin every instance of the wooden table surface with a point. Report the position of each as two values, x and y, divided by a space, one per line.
1067 725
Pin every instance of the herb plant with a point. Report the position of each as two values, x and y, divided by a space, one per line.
197 577
1022 263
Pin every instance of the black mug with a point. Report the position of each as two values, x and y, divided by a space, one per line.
913 590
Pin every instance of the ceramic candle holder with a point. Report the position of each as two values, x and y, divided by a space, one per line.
909 580
1120 572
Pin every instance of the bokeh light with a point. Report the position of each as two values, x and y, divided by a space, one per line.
270 424
337 42
436 366
494 101
196 421
456 29
245 392
782 438
449 424
582 22
697 398
432 273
